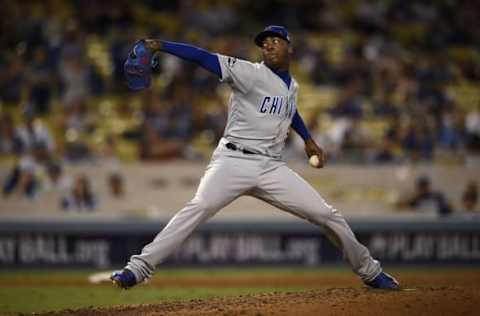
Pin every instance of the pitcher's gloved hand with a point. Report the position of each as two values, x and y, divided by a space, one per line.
138 66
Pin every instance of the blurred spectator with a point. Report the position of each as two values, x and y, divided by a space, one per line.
418 142
335 136
36 148
313 60
96 83
472 131
384 106
201 16
81 197
115 180
424 199
116 185
470 197
41 81
350 104
180 114
168 125
472 123
432 75
451 130
12 80
58 180
154 128
22 179
385 152
78 123
79 118
9 141
389 149
35 138
73 70
357 142
74 74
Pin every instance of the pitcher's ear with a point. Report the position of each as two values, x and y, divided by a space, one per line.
290 49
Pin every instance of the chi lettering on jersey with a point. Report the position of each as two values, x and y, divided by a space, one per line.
277 105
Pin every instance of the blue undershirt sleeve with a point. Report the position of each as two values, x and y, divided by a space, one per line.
200 56
299 126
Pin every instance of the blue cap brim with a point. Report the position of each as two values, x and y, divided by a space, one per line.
261 36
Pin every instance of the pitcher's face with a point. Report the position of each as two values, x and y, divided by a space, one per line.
276 52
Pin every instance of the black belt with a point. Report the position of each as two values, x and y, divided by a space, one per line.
232 146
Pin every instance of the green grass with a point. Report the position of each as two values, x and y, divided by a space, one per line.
38 299
23 291
23 297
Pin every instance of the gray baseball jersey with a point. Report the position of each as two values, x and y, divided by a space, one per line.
260 114
261 106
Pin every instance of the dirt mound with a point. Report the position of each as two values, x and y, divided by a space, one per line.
334 301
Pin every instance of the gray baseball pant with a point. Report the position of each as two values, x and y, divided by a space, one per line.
231 174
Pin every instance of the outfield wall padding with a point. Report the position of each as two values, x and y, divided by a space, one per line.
109 243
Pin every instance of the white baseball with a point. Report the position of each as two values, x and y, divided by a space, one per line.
314 161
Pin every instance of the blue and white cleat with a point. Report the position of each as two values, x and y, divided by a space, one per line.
124 279
384 281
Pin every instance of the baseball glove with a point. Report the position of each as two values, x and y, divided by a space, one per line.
138 66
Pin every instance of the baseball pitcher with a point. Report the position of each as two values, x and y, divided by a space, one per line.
247 160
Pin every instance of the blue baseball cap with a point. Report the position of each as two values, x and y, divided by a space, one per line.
272 30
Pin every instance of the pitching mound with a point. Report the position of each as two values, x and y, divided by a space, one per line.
335 301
